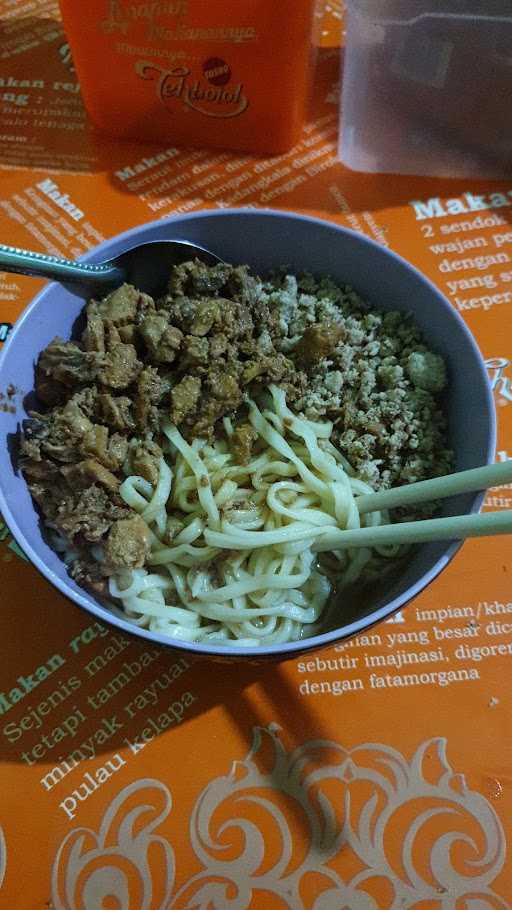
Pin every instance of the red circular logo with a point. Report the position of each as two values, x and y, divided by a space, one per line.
216 71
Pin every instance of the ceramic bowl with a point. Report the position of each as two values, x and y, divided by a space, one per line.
264 240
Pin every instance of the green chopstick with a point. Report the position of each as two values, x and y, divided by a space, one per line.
493 475
408 532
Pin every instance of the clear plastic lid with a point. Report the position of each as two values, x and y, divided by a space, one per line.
409 11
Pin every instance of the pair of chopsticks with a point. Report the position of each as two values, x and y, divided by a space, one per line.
408 532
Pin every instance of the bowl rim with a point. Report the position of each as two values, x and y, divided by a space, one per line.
283 650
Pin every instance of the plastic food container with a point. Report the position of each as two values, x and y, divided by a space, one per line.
190 72
427 87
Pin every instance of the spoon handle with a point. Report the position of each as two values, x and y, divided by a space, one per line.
26 262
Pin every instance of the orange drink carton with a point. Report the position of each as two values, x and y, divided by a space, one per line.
211 74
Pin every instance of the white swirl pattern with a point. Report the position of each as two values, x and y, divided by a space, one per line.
124 861
279 819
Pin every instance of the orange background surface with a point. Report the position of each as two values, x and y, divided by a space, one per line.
301 785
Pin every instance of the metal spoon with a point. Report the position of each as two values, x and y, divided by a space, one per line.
146 265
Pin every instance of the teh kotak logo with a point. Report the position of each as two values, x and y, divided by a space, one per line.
211 94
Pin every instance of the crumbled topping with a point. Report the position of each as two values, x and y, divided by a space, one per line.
378 382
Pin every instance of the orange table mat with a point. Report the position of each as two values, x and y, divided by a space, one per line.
376 775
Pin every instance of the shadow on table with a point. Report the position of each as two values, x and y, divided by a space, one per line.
78 705
258 701
63 673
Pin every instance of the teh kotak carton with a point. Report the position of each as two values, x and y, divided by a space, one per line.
222 74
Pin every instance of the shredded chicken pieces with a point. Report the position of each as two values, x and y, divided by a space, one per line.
217 335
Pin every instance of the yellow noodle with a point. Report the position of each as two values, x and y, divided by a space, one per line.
241 570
